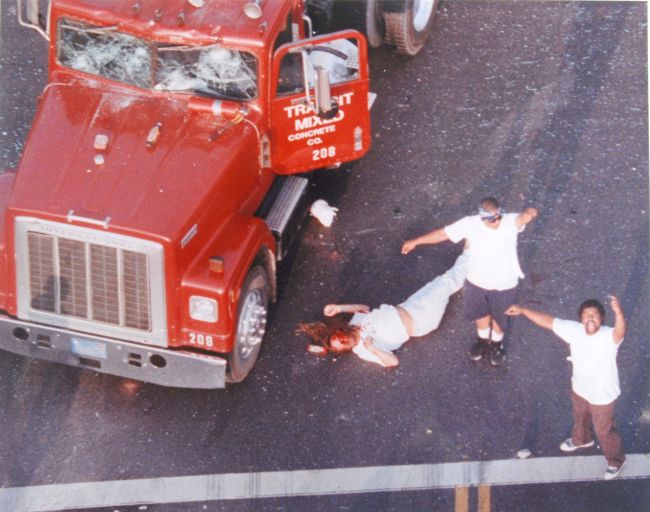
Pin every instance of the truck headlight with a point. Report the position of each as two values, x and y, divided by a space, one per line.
203 309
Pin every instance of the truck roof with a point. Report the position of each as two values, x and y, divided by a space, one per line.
178 21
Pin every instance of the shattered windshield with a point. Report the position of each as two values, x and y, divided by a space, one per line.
104 52
211 70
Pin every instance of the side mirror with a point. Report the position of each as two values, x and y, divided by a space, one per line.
326 106
35 14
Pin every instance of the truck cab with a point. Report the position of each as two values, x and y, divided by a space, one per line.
158 187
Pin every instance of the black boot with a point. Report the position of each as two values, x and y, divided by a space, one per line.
479 349
497 353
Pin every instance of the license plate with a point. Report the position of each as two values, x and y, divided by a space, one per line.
89 348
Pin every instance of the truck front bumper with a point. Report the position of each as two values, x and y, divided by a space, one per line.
160 366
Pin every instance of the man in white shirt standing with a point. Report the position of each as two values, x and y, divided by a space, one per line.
595 375
493 269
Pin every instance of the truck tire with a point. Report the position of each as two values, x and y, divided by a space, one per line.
408 24
364 16
251 324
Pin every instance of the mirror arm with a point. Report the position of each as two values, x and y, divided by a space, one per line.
32 17
310 27
305 74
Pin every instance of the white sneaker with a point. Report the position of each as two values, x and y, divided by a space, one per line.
613 471
569 446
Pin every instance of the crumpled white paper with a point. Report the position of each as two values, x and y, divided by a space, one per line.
323 212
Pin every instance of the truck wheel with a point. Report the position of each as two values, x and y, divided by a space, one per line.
251 324
408 24
364 16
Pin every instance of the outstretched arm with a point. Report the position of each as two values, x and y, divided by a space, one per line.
335 309
526 217
619 319
434 237
538 318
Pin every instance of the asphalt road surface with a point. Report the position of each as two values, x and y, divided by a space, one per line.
536 103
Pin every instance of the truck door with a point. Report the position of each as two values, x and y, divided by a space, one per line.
319 107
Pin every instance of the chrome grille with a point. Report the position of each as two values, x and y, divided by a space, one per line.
105 284
72 290
61 271
41 264
136 291
91 280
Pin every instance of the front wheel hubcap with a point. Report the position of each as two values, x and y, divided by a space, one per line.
252 324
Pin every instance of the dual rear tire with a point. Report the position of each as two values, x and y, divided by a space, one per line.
408 24
403 24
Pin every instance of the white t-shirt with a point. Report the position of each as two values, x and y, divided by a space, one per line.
595 374
383 326
493 260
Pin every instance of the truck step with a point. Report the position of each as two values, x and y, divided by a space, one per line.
287 212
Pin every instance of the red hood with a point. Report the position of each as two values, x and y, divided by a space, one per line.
158 190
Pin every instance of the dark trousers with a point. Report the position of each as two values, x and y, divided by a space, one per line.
479 302
602 418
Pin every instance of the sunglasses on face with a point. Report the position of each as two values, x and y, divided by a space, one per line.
492 218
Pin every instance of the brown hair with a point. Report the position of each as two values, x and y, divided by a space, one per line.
321 333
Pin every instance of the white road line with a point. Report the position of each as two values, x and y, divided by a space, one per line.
316 482
557 1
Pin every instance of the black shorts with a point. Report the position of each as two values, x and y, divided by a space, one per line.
479 302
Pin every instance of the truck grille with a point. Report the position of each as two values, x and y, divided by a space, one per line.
101 279
84 280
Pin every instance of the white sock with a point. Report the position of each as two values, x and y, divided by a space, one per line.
496 336
484 334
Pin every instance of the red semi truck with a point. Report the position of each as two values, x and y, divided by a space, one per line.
157 189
